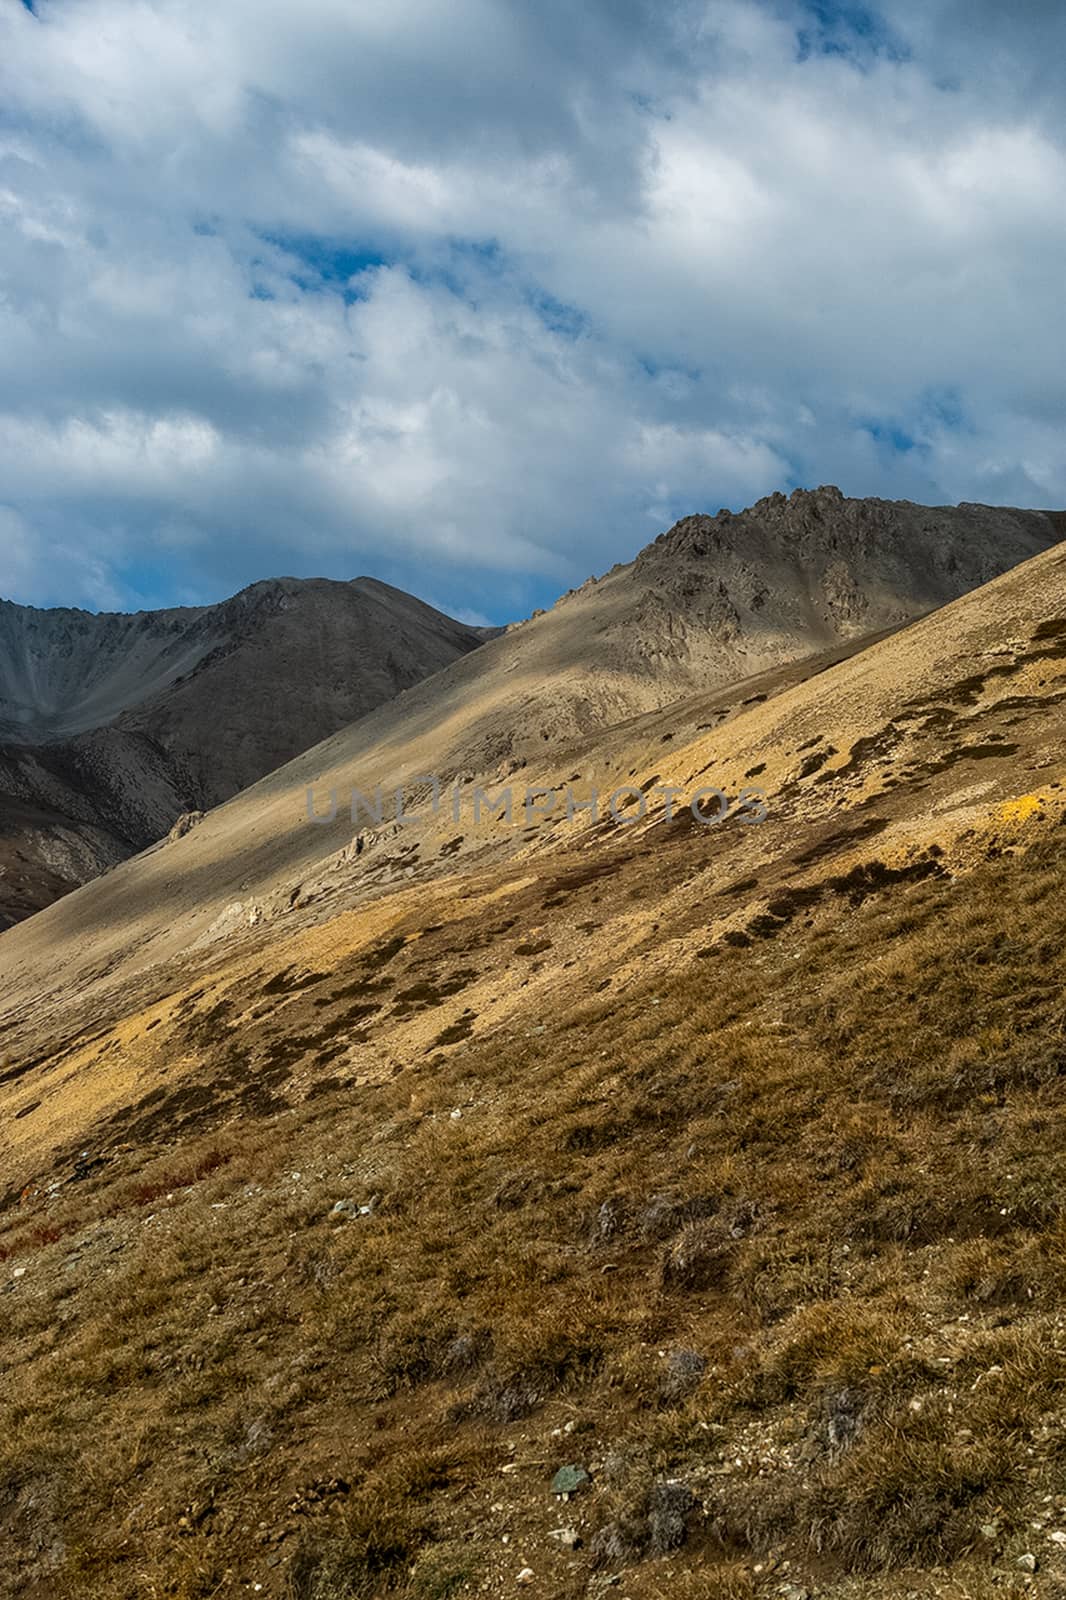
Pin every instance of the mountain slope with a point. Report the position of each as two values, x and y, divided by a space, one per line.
114 725
709 603
723 1162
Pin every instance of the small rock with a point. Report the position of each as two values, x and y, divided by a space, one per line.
1028 1562
684 1371
989 1530
843 1409
568 1537
345 1208
570 1480
613 1543
610 1221
185 824
526 1575
464 1352
456 1115
670 1503
1058 1537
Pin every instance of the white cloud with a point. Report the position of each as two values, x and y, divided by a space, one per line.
638 260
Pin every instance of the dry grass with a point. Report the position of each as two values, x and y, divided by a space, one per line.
836 1177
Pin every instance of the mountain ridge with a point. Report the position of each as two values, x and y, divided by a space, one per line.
711 601
522 704
113 724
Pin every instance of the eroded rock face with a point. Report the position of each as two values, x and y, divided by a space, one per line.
112 727
833 567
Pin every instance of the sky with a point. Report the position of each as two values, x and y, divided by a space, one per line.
479 297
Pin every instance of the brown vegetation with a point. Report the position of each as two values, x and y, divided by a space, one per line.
828 1166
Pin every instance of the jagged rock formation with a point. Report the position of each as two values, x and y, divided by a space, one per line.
811 569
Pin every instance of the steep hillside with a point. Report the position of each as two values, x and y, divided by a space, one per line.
721 1164
113 725
524 707
231 692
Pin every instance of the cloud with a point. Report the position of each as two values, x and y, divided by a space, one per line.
474 298
18 568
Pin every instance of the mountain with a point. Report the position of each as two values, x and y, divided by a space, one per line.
366 1182
712 602
113 726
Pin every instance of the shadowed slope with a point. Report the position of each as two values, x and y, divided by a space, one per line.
115 725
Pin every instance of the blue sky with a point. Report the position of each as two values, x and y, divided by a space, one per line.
479 298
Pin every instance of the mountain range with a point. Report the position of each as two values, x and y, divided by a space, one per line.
653 1192
114 727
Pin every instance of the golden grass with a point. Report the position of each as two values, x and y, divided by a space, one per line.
830 1164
